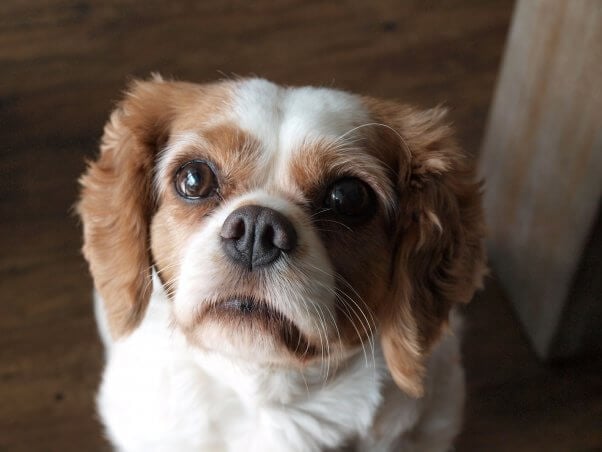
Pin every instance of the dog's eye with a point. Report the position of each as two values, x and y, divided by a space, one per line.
350 198
195 180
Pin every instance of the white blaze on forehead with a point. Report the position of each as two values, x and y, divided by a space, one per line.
281 118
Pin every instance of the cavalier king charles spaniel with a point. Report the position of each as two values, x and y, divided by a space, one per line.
276 269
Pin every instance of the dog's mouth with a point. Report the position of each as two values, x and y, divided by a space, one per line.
241 312
246 306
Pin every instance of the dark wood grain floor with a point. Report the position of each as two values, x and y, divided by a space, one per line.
62 65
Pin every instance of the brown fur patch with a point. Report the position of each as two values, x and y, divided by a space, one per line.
421 253
317 165
232 153
116 202
358 251
439 257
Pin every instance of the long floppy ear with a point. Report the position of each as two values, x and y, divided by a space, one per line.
116 202
439 255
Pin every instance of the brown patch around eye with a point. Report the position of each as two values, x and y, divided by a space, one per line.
311 168
235 154
360 252
231 154
315 167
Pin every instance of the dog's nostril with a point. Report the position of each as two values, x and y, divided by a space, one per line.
284 236
268 233
233 228
265 236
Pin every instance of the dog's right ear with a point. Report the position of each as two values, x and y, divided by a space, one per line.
116 202
439 257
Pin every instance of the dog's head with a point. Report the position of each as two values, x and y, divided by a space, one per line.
287 225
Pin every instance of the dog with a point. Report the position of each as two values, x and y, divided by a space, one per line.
277 269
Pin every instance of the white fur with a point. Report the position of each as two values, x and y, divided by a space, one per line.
160 394
282 118
163 392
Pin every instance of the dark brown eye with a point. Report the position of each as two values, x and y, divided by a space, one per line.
195 180
350 198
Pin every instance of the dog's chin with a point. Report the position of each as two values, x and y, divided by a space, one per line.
252 329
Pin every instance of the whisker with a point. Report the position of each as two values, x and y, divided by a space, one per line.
320 327
337 222
343 280
329 355
348 317
368 327
375 124
321 211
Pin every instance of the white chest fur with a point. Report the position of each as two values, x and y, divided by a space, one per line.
160 394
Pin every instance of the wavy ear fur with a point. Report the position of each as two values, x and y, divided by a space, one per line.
440 259
116 202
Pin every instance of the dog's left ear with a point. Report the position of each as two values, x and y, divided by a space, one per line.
439 258
117 203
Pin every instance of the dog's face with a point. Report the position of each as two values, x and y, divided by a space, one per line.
287 225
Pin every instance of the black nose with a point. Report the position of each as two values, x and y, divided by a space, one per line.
255 236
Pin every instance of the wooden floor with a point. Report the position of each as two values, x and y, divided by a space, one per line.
64 62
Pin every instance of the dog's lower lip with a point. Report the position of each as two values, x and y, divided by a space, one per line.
242 304
246 306
260 314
